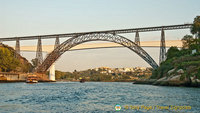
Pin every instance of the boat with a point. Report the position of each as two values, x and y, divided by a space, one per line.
81 80
31 79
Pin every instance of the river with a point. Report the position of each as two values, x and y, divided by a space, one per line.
97 97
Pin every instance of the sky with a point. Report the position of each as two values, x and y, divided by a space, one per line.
38 17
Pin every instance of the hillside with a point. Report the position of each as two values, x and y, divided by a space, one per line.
13 62
184 70
106 74
182 66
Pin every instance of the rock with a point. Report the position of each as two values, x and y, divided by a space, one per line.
175 78
194 82
192 79
162 79
180 71
170 71
198 80
170 77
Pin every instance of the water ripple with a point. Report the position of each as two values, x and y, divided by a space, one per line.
93 97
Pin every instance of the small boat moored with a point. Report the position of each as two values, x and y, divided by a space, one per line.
81 80
32 79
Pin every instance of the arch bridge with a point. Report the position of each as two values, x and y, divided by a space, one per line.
82 37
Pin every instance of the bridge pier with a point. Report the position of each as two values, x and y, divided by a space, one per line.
39 52
137 38
52 68
17 46
52 72
57 42
162 47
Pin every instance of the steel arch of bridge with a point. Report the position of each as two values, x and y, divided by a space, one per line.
68 44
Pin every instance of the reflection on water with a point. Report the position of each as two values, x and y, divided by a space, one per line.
93 97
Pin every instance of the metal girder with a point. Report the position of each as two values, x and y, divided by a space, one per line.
137 38
65 46
39 52
162 47
120 31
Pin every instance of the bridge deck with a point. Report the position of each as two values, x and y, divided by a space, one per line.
120 31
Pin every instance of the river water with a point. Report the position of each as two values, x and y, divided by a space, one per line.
97 97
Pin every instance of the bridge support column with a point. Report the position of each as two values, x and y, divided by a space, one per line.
162 47
52 72
57 43
39 52
17 46
137 38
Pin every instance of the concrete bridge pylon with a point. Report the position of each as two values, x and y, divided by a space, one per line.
52 75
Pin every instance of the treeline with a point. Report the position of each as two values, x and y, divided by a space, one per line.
11 61
187 58
89 75
93 75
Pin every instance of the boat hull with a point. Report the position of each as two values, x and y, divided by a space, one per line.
31 81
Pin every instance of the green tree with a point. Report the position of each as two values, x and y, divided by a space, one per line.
195 30
196 26
172 52
187 40
190 43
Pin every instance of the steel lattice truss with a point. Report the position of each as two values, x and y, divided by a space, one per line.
68 44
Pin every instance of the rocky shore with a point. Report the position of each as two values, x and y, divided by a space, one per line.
174 78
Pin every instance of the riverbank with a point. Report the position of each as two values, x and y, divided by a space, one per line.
168 83
7 77
14 81
63 80
145 82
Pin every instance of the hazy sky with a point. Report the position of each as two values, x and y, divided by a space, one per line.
37 17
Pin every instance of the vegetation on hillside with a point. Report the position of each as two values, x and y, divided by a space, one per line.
94 75
11 61
187 58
